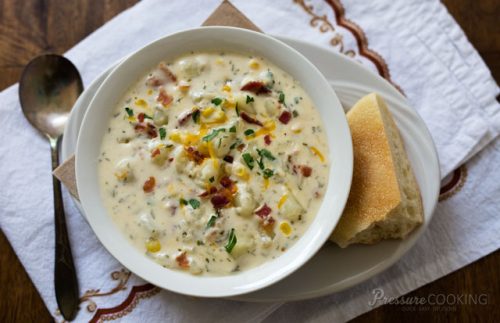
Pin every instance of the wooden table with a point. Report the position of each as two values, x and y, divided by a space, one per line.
28 28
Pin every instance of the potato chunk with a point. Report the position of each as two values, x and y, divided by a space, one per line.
244 200
291 209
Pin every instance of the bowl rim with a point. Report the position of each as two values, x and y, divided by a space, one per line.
237 286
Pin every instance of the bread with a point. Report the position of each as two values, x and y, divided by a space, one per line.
384 201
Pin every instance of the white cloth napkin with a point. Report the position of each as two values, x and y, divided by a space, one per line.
428 57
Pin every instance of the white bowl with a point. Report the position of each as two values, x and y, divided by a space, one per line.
136 65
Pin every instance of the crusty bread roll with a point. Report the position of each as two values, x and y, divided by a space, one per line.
384 201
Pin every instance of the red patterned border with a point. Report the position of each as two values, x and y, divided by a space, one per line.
113 313
362 41
460 174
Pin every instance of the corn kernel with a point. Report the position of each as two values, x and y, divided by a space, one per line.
226 88
175 136
285 228
253 64
282 200
141 103
153 245
207 111
132 119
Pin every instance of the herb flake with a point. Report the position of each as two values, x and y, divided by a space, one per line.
213 134
211 221
248 160
194 203
163 133
217 101
130 112
231 242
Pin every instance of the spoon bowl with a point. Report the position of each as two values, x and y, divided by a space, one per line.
49 87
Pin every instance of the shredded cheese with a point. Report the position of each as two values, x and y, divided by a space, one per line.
282 200
317 153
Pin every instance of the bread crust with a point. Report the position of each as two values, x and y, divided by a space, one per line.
384 201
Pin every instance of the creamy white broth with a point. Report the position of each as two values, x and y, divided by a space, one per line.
214 163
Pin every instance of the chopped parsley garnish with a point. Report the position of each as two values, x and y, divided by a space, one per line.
196 116
231 242
281 98
232 129
146 116
130 112
249 132
183 201
211 179
265 153
261 163
211 221
249 99
213 134
248 160
163 133
194 203
216 101
295 113
268 173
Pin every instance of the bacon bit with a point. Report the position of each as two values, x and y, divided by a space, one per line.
240 147
155 152
147 128
164 98
305 170
152 131
182 260
219 201
226 182
264 211
285 117
171 159
228 159
185 116
267 139
154 81
256 87
149 185
140 127
249 119
210 191
140 117
195 155
168 73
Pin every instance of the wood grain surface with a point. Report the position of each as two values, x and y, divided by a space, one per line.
32 27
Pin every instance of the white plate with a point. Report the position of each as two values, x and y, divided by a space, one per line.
334 269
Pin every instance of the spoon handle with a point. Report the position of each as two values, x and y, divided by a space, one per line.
65 281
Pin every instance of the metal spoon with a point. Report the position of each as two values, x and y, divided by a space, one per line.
49 86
